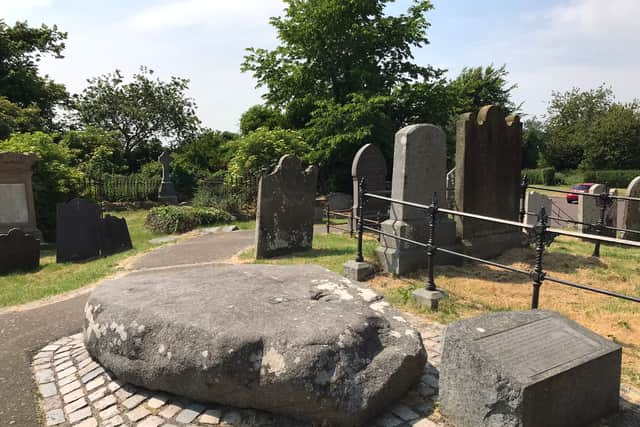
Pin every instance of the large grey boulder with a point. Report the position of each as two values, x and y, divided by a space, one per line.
297 340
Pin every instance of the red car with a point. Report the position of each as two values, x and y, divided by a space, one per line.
581 187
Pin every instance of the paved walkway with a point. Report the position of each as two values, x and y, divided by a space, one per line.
23 333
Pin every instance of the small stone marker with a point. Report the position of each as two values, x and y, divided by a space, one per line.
77 230
631 215
369 163
589 211
488 176
166 192
528 369
532 204
18 251
115 235
419 169
284 219
17 208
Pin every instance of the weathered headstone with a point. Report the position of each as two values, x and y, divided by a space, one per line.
488 167
77 230
369 163
631 215
297 340
532 204
284 219
451 188
528 369
339 201
17 208
589 212
166 192
114 235
18 251
419 168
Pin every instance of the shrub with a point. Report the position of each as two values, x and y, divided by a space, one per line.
180 219
543 176
611 177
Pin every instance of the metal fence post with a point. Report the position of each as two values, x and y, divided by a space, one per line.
360 219
540 230
523 194
604 201
328 210
431 252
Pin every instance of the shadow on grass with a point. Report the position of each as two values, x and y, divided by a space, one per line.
314 253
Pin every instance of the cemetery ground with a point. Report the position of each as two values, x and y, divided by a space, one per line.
474 289
53 279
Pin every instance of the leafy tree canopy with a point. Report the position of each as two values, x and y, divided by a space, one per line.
260 116
479 86
144 112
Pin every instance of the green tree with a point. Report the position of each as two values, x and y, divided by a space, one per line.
533 142
570 118
95 151
144 111
14 118
476 87
21 48
260 116
260 150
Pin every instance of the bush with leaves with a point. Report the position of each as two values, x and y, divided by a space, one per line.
260 150
180 219
54 177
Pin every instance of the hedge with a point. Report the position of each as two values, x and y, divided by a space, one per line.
611 177
180 219
543 176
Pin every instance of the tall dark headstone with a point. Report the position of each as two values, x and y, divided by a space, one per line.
529 369
114 235
166 192
488 167
369 163
419 169
18 251
78 230
284 220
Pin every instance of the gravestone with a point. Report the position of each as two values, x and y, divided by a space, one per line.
114 235
527 369
339 201
17 208
77 230
369 163
589 212
166 192
631 215
284 219
18 251
532 204
488 168
419 168
451 189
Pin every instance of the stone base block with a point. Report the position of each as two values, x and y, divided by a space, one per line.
404 261
493 245
428 299
527 369
167 193
359 271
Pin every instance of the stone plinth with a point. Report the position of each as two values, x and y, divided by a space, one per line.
284 220
488 167
419 169
295 340
17 208
527 369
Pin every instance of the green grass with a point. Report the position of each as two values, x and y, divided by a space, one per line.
52 279
329 251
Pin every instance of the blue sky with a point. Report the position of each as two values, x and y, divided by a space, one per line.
546 45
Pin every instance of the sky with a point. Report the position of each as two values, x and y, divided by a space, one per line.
547 45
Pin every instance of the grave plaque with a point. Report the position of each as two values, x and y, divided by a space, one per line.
284 219
17 208
77 230
18 251
114 235
529 369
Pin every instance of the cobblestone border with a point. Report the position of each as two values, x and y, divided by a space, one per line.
77 391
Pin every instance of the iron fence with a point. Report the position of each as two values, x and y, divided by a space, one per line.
231 190
119 188
541 233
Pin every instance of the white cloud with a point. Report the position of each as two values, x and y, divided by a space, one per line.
596 18
184 13
9 8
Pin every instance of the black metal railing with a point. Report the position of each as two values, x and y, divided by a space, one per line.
541 232
119 188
